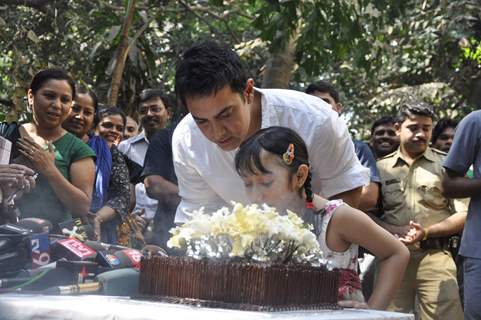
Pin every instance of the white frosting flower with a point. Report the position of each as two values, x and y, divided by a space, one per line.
249 232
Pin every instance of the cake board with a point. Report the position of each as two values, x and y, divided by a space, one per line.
95 307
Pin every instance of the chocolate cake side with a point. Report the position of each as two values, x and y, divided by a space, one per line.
245 286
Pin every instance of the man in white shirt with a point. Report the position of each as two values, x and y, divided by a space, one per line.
153 116
225 109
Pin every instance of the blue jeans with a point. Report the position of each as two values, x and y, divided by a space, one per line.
472 288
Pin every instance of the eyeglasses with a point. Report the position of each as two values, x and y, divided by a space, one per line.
153 109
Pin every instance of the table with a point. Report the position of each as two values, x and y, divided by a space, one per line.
92 307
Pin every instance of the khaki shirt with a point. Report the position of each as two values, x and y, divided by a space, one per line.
414 192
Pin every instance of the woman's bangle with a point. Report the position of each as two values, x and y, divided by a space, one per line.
426 233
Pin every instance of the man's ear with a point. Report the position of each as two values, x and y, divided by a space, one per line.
301 175
249 91
339 107
397 127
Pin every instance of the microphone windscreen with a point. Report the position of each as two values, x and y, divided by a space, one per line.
40 249
40 229
129 258
72 249
121 282
109 260
36 225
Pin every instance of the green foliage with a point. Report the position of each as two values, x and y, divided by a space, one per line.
372 50
472 51
415 47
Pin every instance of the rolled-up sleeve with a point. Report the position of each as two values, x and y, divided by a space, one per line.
336 168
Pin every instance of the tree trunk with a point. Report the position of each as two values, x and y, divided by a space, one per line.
280 66
122 53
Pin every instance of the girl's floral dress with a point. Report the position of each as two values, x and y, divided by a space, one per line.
346 261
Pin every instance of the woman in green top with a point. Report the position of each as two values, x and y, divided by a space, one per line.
64 163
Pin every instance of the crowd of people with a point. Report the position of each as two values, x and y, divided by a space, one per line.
398 196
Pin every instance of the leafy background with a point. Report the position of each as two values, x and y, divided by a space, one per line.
376 52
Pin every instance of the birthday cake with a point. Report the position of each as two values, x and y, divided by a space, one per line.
249 258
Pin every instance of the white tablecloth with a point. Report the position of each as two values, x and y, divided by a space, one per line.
15 306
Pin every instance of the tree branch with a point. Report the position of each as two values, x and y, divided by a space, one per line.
211 27
122 52
224 17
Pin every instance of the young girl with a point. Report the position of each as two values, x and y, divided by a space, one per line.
274 166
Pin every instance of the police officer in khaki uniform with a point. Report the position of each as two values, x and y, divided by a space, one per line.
415 210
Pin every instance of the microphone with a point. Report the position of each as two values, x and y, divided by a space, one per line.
129 257
109 260
10 282
73 289
72 249
75 226
122 282
40 229
15 249
36 225
106 255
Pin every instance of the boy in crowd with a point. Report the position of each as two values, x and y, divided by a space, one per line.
383 137
443 134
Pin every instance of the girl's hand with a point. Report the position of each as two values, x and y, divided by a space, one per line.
415 234
353 304
42 160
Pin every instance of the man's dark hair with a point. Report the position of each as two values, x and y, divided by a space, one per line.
382 121
206 68
414 108
442 125
148 94
323 86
